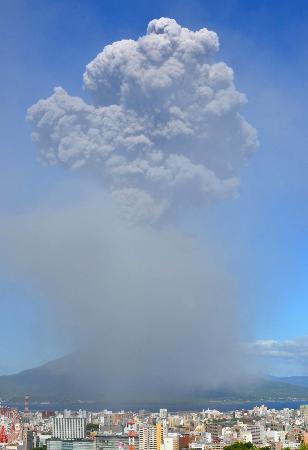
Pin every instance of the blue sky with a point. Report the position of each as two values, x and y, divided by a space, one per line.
47 44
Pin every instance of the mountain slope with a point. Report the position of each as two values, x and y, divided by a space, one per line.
67 379
49 381
300 380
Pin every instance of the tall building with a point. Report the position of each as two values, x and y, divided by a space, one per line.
171 442
109 442
151 436
28 439
163 413
66 428
58 444
257 433
214 428
304 412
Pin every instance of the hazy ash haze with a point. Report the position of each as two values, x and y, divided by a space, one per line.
147 308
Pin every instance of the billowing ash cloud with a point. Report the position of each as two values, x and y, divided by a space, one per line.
164 128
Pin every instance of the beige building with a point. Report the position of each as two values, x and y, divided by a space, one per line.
151 437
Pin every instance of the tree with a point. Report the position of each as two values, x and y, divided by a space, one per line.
303 446
241 446
92 427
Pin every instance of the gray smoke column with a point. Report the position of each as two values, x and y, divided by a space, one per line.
164 129
152 312
147 311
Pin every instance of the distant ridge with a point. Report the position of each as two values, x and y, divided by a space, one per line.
54 382
297 380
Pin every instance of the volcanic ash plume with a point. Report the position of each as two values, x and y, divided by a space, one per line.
147 312
152 312
164 128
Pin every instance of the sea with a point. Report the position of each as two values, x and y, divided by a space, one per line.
99 406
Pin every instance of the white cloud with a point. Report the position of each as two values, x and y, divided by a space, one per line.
296 349
165 122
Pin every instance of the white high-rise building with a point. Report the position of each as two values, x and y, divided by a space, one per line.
163 413
171 442
257 433
68 428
